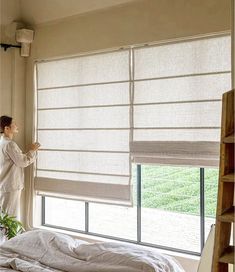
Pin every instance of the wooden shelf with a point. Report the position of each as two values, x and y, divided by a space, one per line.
223 249
228 256
229 139
228 178
228 216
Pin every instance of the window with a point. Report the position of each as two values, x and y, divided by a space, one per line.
211 189
83 125
64 213
156 108
174 208
177 101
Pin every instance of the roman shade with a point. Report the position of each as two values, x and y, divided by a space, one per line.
83 125
177 101
96 114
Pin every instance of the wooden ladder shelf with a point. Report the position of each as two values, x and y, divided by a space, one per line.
223 254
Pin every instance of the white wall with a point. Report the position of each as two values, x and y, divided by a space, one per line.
12 89
141 22
10 11
12 71
36 12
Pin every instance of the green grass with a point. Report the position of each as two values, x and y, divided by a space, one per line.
177 189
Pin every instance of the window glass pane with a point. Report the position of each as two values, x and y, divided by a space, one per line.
83 177
83 124
180 134
89 162
106 67
171 207
112 220
194 88
108 140
96 95
110 117
65 213
203 114
211 189
184 58
178 87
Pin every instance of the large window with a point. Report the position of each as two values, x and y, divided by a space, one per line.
156 109
83 125
174 209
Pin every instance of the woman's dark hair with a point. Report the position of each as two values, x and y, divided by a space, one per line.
5 121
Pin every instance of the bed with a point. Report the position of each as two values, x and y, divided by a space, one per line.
46 251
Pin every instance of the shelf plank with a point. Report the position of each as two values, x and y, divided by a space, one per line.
227 216
227 256
228 178
229 139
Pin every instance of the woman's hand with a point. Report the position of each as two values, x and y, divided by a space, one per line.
35 146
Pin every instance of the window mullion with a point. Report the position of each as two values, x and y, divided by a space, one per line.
202 207
138 203
86 217
43 220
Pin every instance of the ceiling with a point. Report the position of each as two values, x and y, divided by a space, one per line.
38 12
10 11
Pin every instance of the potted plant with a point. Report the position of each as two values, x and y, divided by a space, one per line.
9 227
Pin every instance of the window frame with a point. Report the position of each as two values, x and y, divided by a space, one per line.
139 205
138 240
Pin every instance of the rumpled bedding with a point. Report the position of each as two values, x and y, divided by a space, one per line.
45 251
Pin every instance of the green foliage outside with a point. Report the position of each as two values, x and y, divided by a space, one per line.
177 189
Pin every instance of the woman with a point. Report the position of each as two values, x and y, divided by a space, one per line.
12 162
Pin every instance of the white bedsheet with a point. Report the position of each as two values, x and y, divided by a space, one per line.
44 251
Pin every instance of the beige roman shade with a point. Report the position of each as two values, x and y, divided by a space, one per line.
177 101
83 125
97 114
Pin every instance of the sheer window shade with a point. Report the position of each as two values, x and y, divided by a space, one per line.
160 104
84 128
177 107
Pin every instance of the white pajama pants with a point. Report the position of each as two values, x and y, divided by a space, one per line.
10 203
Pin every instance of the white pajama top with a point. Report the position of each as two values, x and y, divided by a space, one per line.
12 163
